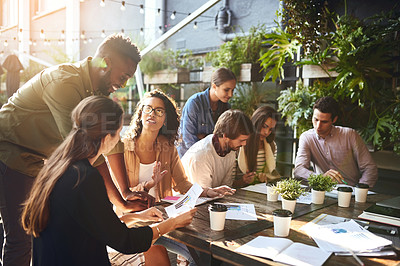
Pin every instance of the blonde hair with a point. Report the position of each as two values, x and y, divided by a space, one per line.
93 118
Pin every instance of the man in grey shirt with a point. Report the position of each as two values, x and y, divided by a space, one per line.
338 152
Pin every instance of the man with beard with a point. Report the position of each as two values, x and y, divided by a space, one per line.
210 161
37 118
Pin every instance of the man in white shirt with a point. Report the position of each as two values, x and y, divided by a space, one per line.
210 161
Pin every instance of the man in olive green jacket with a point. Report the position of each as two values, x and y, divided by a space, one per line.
35 121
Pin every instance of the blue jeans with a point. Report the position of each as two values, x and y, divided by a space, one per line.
177 248
14 189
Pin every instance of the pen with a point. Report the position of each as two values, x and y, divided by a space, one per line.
344 181
356 258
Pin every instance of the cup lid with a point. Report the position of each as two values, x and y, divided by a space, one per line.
282 213
345 189
217 208
362 185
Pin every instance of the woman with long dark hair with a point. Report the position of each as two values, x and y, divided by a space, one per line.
202 110
258 156
68 211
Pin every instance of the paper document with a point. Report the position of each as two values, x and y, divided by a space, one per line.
200 200
187 202
244 212
344 236
285 251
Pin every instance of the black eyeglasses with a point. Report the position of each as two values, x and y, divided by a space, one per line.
147 109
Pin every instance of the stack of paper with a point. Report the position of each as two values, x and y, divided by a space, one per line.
344 238
382 214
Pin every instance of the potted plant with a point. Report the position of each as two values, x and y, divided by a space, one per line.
319 184
290 190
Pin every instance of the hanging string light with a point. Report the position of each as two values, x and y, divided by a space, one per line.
103 34
123 31
42 35
195 25
34 43
30 42
158 11
83 35
20 34
102 3
90 40
173 15
123 7
141 10
141 31
62 36
160 29
5 43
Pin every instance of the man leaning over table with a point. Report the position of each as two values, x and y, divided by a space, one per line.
37 118
210 161
338 152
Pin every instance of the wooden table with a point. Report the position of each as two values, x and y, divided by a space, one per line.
221 245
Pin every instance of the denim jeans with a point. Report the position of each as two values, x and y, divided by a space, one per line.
176 247
14 188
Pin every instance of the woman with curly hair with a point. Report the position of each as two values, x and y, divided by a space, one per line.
149 147
258 156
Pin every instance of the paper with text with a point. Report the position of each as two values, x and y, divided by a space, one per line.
187 202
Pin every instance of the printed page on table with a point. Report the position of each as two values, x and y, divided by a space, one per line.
187 202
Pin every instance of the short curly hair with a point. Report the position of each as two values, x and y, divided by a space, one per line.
327 105
120 45
169 130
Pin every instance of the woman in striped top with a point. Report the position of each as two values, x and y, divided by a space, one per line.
259 155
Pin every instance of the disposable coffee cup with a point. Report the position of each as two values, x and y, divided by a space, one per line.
217 216
271 195
361 192
344 196
282 220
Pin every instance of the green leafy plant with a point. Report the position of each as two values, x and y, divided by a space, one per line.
282 48
321 182
290 188
247 97
242 49
168 59
364 53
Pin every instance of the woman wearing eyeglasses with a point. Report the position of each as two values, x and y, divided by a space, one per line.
257 158
149 144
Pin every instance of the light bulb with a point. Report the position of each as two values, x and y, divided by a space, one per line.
103 34
42 35
102 3
62 36
5 43
123 8
83 35
141 11
141 31
158 11
195 25
160 30
173 15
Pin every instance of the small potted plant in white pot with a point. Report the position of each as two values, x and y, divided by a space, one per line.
319 184
290 190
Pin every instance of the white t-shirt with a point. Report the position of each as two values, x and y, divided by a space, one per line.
205 167
145 173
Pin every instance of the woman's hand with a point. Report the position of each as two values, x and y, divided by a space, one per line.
140 196
263 177
248 178
156 177
149 215
184 219
220 191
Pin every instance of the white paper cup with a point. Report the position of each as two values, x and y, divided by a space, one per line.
361 192
217 217
282 220
271 195
344 196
